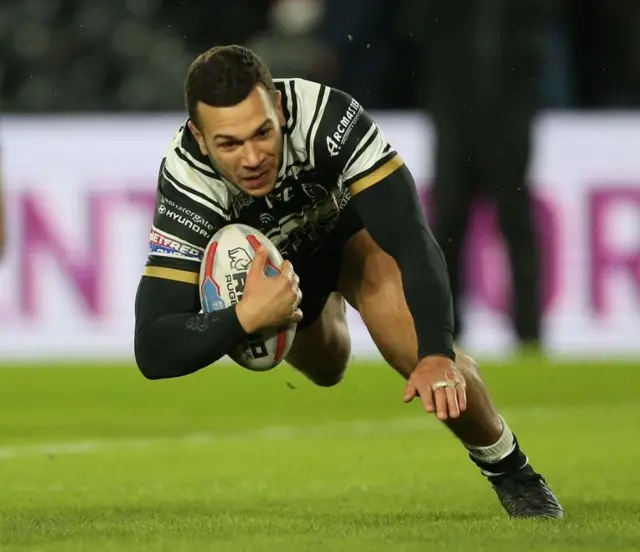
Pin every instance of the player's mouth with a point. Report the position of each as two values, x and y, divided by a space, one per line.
259 180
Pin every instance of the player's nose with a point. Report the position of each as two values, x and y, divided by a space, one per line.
253 156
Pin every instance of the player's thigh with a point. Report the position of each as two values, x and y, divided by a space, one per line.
370 281
322 346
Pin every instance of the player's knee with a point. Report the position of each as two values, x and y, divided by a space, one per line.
331 372
326 378
324 363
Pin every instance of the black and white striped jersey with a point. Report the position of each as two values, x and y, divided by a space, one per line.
332 149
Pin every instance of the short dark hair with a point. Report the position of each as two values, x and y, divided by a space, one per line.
224 76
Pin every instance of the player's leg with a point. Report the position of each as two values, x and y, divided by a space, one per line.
370 280
372 284
322 345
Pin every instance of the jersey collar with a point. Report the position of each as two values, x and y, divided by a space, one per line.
285 157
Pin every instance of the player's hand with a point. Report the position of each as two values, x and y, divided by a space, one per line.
440 385
269 301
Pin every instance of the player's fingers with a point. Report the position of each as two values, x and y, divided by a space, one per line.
295 284
427 396
298 298
259 261
410 392
440 399
461 390
452 402
287 270
296 316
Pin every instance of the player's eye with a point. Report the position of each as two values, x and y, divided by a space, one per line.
264 132
228 146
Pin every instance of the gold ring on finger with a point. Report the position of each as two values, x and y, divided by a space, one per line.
443 384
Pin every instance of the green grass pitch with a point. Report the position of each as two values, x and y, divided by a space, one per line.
97 458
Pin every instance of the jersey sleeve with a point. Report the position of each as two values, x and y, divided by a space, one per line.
350 142
188 212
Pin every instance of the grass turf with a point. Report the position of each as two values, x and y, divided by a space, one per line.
97 458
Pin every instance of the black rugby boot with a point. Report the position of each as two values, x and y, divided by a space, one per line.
525 494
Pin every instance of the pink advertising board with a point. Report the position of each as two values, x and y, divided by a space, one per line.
81 195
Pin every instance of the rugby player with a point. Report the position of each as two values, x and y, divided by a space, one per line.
306 165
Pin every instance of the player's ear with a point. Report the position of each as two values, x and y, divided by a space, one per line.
279 111
199 138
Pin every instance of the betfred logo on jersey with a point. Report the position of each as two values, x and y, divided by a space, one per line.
344 128
162 244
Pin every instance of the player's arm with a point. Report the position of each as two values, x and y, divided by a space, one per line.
388 205
171 338
385 197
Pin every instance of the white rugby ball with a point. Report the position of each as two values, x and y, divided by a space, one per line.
223 274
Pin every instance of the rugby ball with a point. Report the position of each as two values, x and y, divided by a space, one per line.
223 274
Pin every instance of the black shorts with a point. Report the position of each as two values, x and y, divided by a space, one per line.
319 273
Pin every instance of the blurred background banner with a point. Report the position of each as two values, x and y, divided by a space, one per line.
80 191
91 95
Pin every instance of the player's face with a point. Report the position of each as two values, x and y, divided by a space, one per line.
244 141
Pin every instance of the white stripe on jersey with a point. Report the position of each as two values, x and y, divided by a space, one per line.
290 99
369 156
314 130
286 156
182 177
204 168
307 96
364 140
176 144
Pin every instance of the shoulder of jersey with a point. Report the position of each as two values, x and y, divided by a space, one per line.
304 103
187 169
